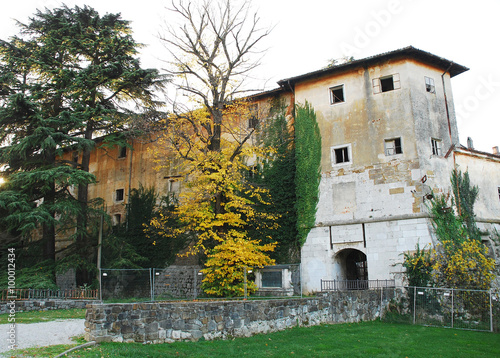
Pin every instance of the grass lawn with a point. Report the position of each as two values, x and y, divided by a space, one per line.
367 339
44 316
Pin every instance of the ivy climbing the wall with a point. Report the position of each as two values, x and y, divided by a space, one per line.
308 168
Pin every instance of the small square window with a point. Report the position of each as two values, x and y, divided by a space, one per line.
341 154
119 194
122 152
337 94
387 84
393 146
436 147
429 85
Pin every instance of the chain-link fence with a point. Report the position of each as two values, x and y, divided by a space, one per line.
184 282
444 307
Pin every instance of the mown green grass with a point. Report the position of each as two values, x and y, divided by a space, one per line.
43 316
367 339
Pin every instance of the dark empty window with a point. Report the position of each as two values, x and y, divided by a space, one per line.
271 279
253 120
117 219
122 152
119 194
337 94
393 146
387 84
75 159
341 155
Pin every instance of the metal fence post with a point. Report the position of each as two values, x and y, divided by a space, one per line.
151 285
452 307
100 284
414 304
300 278
245 282
491 310
195 283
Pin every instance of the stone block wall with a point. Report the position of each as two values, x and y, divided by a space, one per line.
47 304
174 321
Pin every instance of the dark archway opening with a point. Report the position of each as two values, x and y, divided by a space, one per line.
353 264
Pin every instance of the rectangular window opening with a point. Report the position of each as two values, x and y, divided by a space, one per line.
387 84
436 147
341 154
119 194
253 120
337 94
393 146
117 219
122 152
429 85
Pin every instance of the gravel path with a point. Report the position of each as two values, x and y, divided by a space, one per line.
42 334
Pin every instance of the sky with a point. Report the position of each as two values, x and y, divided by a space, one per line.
306 34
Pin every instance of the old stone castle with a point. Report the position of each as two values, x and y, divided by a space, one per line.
389 140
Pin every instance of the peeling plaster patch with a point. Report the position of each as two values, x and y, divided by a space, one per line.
400 190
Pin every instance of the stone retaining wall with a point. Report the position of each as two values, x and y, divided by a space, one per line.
46 304
174 321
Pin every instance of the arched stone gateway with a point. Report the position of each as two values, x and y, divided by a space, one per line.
352 264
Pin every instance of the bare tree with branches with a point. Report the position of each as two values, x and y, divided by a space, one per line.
212 56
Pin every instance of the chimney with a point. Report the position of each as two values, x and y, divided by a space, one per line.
470 144
495 150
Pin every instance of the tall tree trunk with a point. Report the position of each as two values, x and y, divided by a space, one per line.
83 242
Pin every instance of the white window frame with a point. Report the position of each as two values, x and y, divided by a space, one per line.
437 147
330 91
430 87
377 85
390 150
333 156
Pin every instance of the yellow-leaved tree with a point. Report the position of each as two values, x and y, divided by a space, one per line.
209 140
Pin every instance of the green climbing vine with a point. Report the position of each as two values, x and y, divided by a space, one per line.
308 168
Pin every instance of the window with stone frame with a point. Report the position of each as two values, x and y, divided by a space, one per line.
393 146
341 154
429 85
436 147
386 83
119 195
337 94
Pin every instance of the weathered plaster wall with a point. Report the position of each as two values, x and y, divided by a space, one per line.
376 202
485 173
